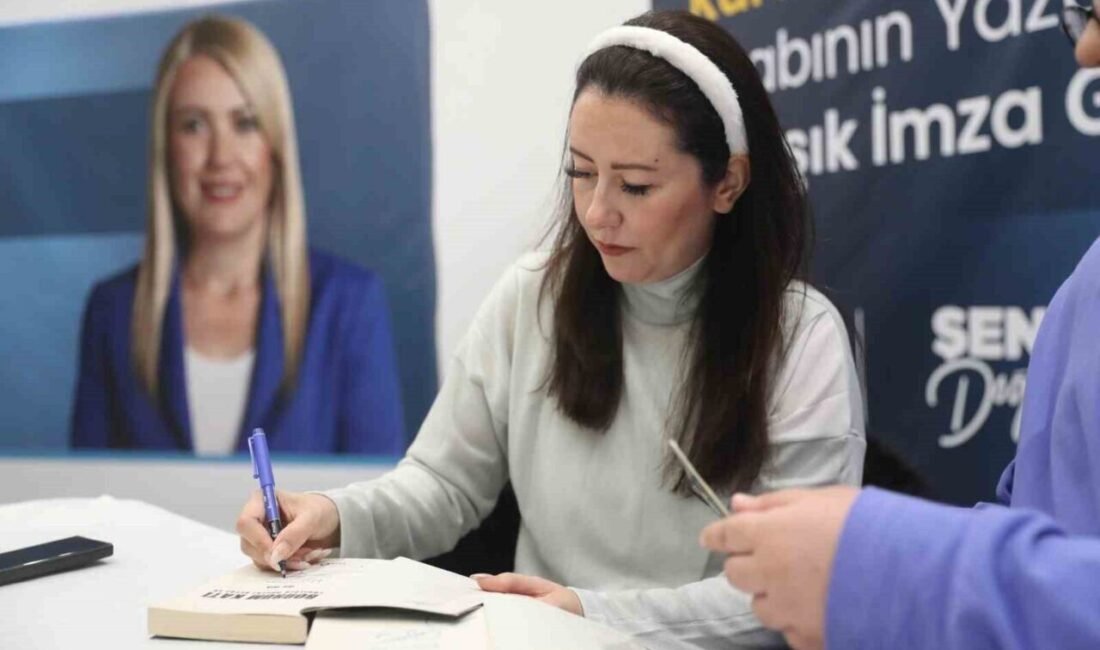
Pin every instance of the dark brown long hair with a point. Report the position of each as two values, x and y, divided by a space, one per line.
758 249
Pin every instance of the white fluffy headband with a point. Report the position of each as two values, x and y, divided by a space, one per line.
684 57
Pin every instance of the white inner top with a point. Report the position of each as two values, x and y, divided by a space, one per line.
217 390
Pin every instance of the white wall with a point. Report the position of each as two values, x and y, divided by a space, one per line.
212 492
501 83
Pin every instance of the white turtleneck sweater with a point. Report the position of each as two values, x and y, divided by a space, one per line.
595 515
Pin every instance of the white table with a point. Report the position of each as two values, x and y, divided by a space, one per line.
160 555
157 555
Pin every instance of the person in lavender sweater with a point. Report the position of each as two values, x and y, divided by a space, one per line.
842 568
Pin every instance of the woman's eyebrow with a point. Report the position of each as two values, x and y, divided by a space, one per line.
615 166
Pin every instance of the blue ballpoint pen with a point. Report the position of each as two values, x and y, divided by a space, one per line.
261 469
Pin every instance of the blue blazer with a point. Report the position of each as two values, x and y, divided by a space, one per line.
346 397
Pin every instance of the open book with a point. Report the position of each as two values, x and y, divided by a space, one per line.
504 622
260 606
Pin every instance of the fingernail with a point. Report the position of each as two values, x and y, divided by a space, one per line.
480 576
297 565
318 554
278 554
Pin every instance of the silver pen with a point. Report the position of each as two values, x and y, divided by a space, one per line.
698 485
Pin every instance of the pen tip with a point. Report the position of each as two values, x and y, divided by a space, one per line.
282 568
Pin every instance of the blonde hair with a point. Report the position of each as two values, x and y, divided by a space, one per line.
248 57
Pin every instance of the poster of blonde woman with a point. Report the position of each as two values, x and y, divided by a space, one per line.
215 221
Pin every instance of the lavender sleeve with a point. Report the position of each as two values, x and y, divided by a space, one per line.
913 574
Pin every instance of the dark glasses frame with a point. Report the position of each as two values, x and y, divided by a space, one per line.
1075 18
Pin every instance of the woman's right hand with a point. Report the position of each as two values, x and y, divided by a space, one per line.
311 528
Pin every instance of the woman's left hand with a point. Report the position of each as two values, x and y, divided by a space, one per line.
548 592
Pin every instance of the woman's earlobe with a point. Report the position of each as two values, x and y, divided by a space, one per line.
733 184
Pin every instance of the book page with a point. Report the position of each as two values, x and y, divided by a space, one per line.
390 630
400 583
524 623
505 622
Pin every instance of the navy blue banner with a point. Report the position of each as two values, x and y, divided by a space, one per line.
74 104
951 152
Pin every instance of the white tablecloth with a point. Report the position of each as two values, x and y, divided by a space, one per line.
157 555
160 555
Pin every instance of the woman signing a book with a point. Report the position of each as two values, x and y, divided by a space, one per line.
671 306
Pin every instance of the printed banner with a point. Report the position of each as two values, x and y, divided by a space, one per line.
950 148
